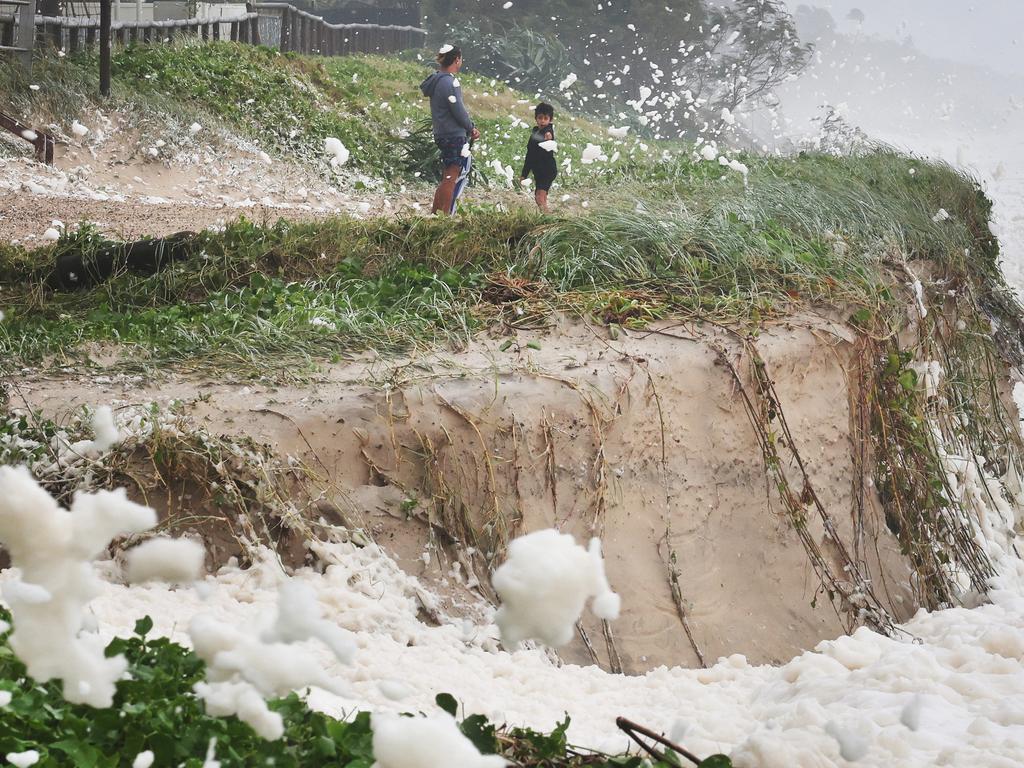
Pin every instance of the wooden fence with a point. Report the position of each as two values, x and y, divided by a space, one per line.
16 29
288 28
279 25
72 34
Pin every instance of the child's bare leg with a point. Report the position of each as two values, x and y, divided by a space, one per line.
541 196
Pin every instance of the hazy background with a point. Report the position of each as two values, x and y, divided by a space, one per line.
983 32
941 78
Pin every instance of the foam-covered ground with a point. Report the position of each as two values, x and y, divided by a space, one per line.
949 691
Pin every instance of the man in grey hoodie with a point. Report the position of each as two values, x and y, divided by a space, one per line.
452 123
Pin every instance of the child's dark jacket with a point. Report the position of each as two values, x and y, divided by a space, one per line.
539 160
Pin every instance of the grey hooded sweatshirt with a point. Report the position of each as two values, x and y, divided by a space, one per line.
449 115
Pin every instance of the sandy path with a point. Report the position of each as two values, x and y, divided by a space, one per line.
24 216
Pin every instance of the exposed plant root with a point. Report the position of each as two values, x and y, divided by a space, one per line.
852 595
677 596
614 660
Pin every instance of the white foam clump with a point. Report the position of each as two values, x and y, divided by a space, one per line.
910 715
29 135
143 759
243 670
195 128
176 561
544 585
78 129
709 152
728 117
568 81
425 742
53 549
618 133
1018 400
51 233
393 690
105 434
930 373
919 298
735 165
299 618
942 215
549 146
446 48
338 152
501 169
23 759
853 744
592 153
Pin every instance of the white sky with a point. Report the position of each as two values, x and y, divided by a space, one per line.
985 32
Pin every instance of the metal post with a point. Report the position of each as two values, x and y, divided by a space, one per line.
105 47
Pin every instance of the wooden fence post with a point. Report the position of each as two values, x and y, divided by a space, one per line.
26 37
254 23
105 47
286 32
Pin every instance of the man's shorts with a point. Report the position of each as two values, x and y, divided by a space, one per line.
451 149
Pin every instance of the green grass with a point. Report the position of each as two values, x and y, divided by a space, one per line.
809 231
288 104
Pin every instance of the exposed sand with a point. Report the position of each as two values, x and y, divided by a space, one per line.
114 183
573 435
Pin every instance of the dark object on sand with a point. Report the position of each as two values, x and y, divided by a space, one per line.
75 269
40 140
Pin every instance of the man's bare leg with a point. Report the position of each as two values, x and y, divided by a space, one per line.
541 196
446 190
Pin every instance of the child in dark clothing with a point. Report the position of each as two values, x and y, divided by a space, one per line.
540 154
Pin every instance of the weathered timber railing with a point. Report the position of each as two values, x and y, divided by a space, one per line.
17 30
279 25
291 29
73 33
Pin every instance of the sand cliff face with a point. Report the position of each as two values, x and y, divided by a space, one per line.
647 440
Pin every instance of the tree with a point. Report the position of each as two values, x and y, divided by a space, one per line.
752 48
663 67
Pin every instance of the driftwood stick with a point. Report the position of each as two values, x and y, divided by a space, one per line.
633 729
